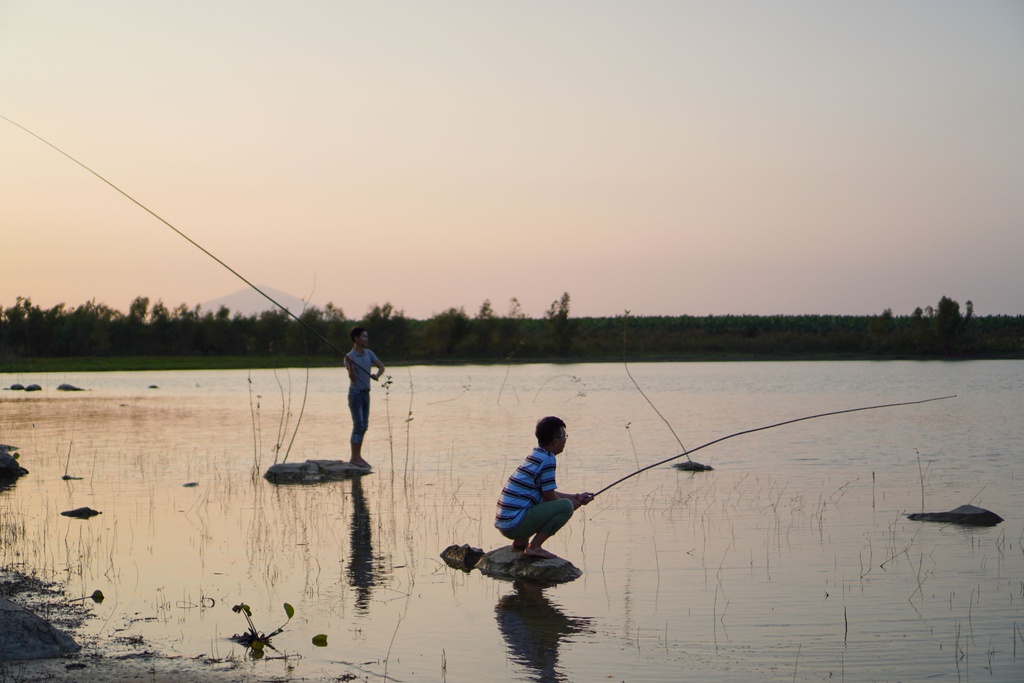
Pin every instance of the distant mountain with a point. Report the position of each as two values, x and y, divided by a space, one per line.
249 302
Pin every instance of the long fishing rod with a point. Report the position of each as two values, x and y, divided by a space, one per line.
186 237
761 429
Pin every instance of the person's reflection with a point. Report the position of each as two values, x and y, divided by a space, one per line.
361 562
532 627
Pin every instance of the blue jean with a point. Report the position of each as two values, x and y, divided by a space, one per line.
359 406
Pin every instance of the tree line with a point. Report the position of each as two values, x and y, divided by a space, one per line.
94 330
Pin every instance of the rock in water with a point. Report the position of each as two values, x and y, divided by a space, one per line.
462 557
313 471
691 466
81 513
510 563
10 470
26 636
965 514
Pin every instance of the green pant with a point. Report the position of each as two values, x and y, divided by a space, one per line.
543 518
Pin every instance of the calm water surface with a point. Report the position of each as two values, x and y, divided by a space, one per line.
792 560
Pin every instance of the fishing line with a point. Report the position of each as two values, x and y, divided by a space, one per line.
651 403
179 232
760 429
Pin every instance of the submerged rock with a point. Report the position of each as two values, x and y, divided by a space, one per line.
965 514
17 387
510 563
462 557
691 466
68 387
313 471
81 513
33 387
25 636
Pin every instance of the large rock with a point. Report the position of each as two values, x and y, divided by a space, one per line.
10 470
510 563
313 471
23 635
965 514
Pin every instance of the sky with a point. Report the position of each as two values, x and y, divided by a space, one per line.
665 158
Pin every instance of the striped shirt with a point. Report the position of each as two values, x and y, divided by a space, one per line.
524 488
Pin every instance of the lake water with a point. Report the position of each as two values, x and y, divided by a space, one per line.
792 560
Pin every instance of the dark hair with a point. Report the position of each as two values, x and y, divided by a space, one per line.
547 429
356 331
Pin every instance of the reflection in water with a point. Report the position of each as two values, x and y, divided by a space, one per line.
773 532
532 626
363 569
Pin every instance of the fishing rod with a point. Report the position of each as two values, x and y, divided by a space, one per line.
179 232
761 429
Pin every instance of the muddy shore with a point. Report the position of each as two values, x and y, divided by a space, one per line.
112 658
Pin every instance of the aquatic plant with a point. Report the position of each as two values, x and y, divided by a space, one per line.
257 641
253 638
386 385
408 420
573 379
97 597
298 421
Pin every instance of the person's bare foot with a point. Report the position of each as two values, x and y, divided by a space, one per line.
360 463
539 553
519 545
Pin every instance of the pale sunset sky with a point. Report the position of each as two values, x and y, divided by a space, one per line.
667 158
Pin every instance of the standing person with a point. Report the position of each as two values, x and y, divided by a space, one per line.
529 504
358 362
